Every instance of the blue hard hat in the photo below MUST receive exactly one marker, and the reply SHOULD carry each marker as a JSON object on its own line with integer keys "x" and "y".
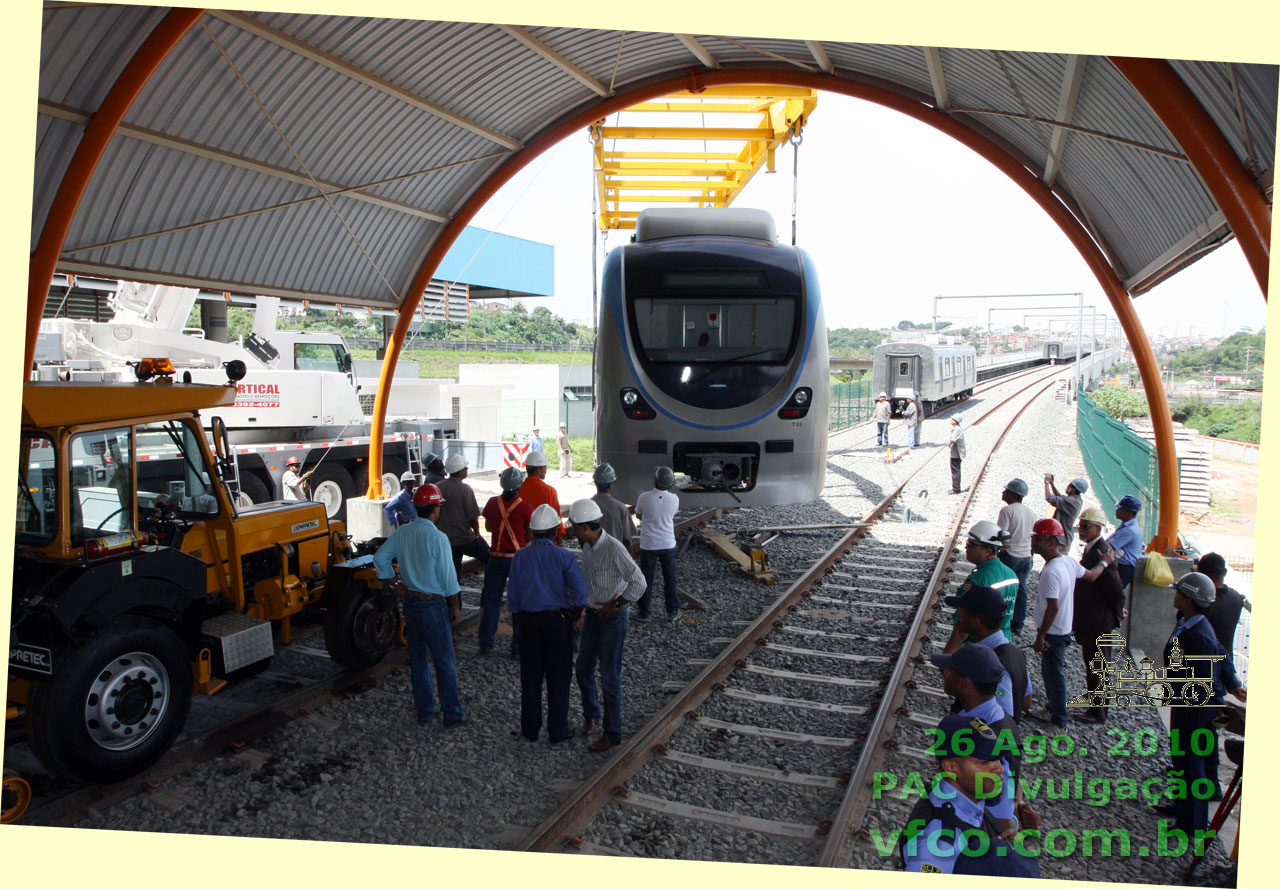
{"x": 1130, "y": 502}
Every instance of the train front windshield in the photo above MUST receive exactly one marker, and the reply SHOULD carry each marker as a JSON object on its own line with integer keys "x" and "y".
{"x": 715, "y": 337}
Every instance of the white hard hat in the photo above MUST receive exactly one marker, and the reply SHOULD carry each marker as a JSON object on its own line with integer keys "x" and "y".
{"x": 584, "y": 510}
{"x": 455, "y": 463}
{"x": 537, "y": 428}
{"x": 535, "y": 458}
{"x": 544, "y": 518}
{"x": 408, "y": 476}
{"x": 882, "y": 395}
{"x": 988, "y": 533}
{"x": 958, "y": 418}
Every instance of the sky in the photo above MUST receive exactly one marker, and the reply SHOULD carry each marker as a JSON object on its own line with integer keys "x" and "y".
{"x": 894, "y": 213}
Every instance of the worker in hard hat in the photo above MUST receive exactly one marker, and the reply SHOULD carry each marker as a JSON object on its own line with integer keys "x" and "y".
{"x": 460, "y": 515}
{"x": 506, "y": 517}
{"x": 615, "y": 516}
{"x": 1067, "y": 505}
{"x": 399, "y": 509}
{"x": 294, "y": 480}
{"x": 428, "y": 586}
{"x": 546, "y": 595}
{"x": 656, "y": 509}
{"x": 1127, "y": 539}
{"x": 881, "y": 416}
{"x": 535, "y": 491}
{"x": 614, "y": 581}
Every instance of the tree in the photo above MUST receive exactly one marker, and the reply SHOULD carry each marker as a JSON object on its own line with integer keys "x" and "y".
{"x": 906, "y": 325}
{"x": 1120, "y": 402}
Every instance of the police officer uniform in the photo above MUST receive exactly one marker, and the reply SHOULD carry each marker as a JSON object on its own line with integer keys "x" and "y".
{"x": 942, "y": 831}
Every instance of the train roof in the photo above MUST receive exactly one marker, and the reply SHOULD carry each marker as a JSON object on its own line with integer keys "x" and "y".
{"x": 908, "y": 346}
{"x": 731, "y": 222}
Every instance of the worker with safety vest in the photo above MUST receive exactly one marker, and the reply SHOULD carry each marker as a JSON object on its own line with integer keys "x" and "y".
{"x": 981, "y": 547}
{"x": 506, "y": 517}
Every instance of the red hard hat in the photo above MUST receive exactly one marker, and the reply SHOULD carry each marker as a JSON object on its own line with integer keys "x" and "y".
{"x": 292, "y": 461}
{"x": 427, "y": 495}
{"x": 1045, "y": 527}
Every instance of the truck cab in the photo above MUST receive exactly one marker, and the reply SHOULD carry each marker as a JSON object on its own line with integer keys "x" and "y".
{"x": 138, "y": 580}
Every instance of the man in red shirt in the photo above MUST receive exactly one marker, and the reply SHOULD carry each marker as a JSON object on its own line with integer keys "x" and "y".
{"x": 535, "y": 491}
{"x": 506, "y": 517}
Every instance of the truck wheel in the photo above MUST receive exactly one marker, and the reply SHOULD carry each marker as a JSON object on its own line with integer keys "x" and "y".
{"x": 392, "y": 469}
{"x": 356, "y": 628}
{"x": 253, "y": 489}
{"x": 332, "y": 485}
{"x": 115, "y": 705}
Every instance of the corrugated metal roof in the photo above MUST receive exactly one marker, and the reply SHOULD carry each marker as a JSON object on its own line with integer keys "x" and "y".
{"x": 354, "y": 99}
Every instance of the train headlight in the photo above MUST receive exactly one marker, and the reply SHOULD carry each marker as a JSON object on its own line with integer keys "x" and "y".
{"x": 634, "y": 407}
{"x": 797, "y": 405}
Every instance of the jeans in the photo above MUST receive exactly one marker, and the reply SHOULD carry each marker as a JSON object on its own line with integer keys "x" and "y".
{"x": 649, "y": 559}
{"x": 1053, "y": 669}
{"x": 496, "y": 571}
{"x": 602, "y": 639}
{"x": 882, "y": 433}
{"x": 545, "y": 656}
{"x": 476, "y": 549}
{"x": 1021, "y": 567}
{"x": 913, "y": 435}
{"x": 426, "y": 627}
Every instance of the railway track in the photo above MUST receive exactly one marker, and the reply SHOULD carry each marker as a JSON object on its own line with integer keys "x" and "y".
{"x": 723, "y": 723}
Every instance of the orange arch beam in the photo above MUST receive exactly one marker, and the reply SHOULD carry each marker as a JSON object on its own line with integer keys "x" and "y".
{"x": 1244, "y": 206}
{"x": 1167, "y": 530}
{"x": 44, "y": 260}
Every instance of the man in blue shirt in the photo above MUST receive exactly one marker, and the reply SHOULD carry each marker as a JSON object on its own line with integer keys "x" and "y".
{"x": 426, "y": 582}
{"x": 400, "y": 511}
{"x": 1128, "y": 537}
{"x": 546, "y": 594}
{"x": 944, "y": 830}
{"x": 979, "y": 613}
{"x": 972, "y": 676}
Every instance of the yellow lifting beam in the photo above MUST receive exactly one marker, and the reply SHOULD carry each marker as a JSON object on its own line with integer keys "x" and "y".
{"x": 737, "y": 132}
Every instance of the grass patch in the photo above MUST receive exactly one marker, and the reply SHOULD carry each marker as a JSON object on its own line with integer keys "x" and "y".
{"x": 443, "y": 363}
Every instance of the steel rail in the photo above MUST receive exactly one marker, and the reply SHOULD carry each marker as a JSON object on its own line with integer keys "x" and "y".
{"x": 836, "y": 851}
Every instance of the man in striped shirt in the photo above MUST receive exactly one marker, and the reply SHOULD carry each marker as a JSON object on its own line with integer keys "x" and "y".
{"x": 614, "y": 581}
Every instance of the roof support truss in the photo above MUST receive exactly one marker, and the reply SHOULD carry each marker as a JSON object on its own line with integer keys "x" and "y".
{"x": 1066, "y": 110}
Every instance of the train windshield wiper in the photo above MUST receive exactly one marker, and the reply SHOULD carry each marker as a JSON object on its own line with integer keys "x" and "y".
{"x": 721, "y": 364}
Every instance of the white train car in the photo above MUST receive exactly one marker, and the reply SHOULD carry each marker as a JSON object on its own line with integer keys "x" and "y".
{"x": 711, "y": 358}
{"x": 941, "y": 374}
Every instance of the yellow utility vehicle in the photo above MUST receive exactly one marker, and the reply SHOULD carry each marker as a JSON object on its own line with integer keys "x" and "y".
{"x": 138, "y": 580}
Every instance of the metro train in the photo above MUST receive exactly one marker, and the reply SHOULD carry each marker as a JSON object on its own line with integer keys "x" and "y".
{"x": 712, "y": 359}
{"x": 941, "y": 374}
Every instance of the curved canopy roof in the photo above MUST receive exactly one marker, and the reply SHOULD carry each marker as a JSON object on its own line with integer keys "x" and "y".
{"x": 324, "y": 156}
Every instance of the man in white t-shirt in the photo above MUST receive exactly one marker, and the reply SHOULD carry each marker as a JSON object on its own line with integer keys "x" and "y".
{"x": 1017, "y": 518}
{"x": 1055, "y": 605}
{"x": 656, "y": 511}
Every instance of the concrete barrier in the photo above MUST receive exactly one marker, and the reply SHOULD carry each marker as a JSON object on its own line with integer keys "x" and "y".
{"x": 1151, "y": 613}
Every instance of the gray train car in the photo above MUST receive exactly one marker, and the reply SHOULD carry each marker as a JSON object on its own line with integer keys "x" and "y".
{"x": 711, "y": 358}
{"x": 941, "y": 374}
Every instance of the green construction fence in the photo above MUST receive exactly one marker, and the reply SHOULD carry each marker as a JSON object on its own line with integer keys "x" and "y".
{"x": 851, "y": 403}
{"x": 1117, "y": 461}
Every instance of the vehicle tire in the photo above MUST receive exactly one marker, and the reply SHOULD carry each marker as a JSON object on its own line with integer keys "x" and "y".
{"x": 392, "y": 469}
{"x": 349, "y": 623}
{"x": 253, "y": 489}
{"x": 116, "y": 704}
{"x": 331, "y": 485}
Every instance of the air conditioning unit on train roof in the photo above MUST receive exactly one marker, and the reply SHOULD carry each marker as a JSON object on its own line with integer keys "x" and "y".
{"x": 732, "y": 222}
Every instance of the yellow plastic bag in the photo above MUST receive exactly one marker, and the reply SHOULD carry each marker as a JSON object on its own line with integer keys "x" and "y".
{"x": 1158, "y": 572}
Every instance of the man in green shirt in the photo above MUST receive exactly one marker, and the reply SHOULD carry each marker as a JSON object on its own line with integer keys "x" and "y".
{"x": 981, "y": 547}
